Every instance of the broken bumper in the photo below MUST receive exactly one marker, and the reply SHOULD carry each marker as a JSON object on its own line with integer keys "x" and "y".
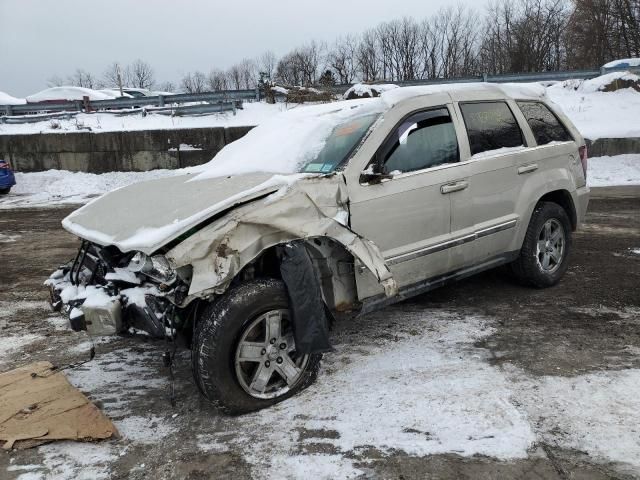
{"x": 105, "y": 299}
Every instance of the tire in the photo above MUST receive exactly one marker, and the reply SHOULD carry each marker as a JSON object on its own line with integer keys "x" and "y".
{"x": 4, "y": 191}
{"x": 540, "y": 263}
{"x": 241, "y": 317}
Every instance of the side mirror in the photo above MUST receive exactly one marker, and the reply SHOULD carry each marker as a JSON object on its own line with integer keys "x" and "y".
{"x": 374, "y": 174}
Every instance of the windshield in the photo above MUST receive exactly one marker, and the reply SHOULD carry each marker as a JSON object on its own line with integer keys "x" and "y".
{"x": 340, "y": 144}
{"x": 306, "y": 139}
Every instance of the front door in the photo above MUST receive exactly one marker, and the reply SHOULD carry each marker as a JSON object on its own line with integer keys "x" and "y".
{"x": 408, "y": 215}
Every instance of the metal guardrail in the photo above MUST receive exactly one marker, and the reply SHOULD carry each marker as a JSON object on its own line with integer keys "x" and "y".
{"x": 506, "y": 78}
{"x": 200, "y": 109}
{"x": 231, "y": 97}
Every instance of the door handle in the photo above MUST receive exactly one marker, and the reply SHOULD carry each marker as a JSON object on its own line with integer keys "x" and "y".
{"x": 453, "y": 187}
{"x": 532, "y": 167}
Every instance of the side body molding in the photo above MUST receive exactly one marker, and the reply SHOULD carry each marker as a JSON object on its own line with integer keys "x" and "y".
{"x": 311, "y": 207}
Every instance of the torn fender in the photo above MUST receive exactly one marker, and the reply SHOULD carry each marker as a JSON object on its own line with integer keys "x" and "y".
{"x": 311, "y": 207}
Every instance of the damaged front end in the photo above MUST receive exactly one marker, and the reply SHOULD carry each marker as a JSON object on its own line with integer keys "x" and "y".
{"x": 106, "y": 292}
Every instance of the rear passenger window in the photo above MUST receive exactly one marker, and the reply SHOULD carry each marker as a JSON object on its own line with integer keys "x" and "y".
{"x": 544, "y": 124}
{"x": 490, "y": 126}
{"x": 423, "y": 140}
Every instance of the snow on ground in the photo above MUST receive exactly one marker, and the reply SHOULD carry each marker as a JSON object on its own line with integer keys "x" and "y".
{"x": 617, "y": 170}
{"x": 56, "y": 187}
{"x": 428, "y": 389}
{"x": 598, "y": 114}
{"x": 253, "y": 113}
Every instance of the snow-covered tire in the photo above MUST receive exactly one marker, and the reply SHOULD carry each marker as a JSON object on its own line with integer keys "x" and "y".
{"x": 544, "y": 256}
{"x": 221, "y": 335}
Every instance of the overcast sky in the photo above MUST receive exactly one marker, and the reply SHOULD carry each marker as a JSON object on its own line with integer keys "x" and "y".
{"x": 42, "y": 38}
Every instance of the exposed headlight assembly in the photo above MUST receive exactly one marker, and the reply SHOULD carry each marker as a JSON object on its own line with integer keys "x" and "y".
{"x": 156, "y": 267}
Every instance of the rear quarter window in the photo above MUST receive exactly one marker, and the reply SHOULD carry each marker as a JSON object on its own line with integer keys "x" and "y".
{"x": 546, "y": 127}
{"x": 490, "y": 126}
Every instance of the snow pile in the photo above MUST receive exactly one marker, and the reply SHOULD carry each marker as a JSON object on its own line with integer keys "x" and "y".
{"x": 6, "y": 99}
{"x": 286, "y": 141}
{"x": 363, "y": 90}
{"x": 610, "y": 171}
{"x": 598, "y": 114}
{"x": 55, "y": 187}
{"x": 600, "y": 83}
{"x": 67, "y": 93}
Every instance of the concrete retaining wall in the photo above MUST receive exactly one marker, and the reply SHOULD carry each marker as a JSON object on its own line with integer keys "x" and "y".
{"x": 116, "y": 151}
{"x": 612, "y": 146}
{"x": 150, "y": 149}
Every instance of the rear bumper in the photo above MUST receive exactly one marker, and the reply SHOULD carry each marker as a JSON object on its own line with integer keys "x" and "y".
{"x": 581, "y": 201}
{"x": 8, "y": 180}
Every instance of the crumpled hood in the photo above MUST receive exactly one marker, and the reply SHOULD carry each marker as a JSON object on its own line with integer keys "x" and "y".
{"x": 147, "y": 215}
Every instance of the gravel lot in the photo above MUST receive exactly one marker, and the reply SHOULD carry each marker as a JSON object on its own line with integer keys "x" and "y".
{"x": 482, "y": 379}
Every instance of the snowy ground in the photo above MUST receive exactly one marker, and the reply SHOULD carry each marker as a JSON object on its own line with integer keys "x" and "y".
{"x": 598, "y": 114}
{"x": 422, "y": 388}
{"x": 57, "y": 187}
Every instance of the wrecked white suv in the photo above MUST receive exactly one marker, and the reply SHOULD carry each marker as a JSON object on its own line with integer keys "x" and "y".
{"x": 324, "y": 212}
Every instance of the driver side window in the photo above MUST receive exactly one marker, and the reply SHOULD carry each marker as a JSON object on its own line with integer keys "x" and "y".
{"x": 424, "y": 140}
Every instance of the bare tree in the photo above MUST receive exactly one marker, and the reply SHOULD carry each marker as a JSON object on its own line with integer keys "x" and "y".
{"x": 195, "y": 82}
{"x": 368, "y": 56}
{"x": 217, "y": 80}
{"x": 82, "y": 78}
{"x": 234, "y": 74}
{"x": 55, "y": 81}
{"x": 343, "y": 60}
{"x": 602, "y": 30}
{"x": 166, "y": 87}
{"x": 140, "y": 74}
{"x": 267, "y": 63}
{"x": 249, "y": 73}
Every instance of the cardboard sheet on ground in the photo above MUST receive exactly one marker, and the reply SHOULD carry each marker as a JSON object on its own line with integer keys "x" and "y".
{"x": 38, "y": 405}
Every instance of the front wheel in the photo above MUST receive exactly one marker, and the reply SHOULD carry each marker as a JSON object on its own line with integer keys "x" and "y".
{"x": 545, "y": 252}
{"x": 244, "y": 355}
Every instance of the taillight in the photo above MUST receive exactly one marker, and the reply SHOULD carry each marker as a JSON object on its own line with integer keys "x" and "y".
{"x": 583, "y": 159}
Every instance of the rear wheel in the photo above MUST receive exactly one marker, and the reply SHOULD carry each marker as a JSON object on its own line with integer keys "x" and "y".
{"x": 244, "y": 355}
{"x": 4, "y": 191}
{"x": 545, "y": 251}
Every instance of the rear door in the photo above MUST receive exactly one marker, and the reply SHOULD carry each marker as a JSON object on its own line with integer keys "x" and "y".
{"x": 555, "y": 147}
{"x": 484, "y": 214}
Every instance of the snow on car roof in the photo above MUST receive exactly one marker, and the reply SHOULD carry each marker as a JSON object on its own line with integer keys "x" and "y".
{"x": 513, "y": 90}
{"x": 623, "y": 62}
{"x": 67, "y": 93}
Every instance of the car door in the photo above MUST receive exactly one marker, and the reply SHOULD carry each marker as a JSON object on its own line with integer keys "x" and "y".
{"x": 484, "y": 215}
{"x": 407, "y": 215}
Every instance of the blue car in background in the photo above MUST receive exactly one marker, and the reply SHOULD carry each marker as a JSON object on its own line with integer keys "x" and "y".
{"x": 7, "y": 179}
